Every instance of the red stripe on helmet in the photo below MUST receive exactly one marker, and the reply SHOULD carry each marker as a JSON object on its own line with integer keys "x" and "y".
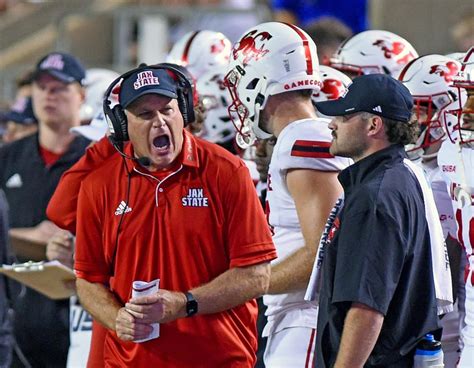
{"x": 307, "y": 50}
{"x": 184, "y": 58}
{"x": 405, "y": 69}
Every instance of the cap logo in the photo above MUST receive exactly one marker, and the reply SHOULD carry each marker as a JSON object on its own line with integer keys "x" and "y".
{"x": 377, "y": 108}
{"x": 20, "y": 105}
{"x": 251, "y": 46}
{"x": 145, "y": 78}
{"x": 54, "y": 61}
{"x": 448, "y": 71}
{"x": 396, "y": 49}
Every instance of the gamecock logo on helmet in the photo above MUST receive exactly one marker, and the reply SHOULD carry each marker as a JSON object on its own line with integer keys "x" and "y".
{"x": 332, "y": 88}
{"x": 218, "y": 47}
{"x": 397, "y": 50}
{"x": 448, "y": 71}
{"x": 248, "y": 47}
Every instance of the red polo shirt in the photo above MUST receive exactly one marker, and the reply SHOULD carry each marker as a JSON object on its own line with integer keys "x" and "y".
{"x": 62, "y": 206}
{"x": 186, "y": 229}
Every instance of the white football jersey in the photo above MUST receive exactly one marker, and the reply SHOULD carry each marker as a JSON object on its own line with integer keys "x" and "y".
{"x": 458, "y": 170}
{"x": 442, "y": 198}
{"x": 303, "y": 144}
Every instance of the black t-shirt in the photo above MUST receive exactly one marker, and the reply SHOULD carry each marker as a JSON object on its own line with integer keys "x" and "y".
{"x": 6, "y": 336}
{"x": 380, "y": 256}
{"x": 28, "y": 182}
{"x": 41, "y": 324}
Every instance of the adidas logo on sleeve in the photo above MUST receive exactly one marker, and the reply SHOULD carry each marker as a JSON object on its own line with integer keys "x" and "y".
{"x": 122, "y": 208}
{"x": 14, "y": 181}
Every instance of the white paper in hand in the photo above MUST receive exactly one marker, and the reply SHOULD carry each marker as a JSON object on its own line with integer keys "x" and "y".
{"x": 143, "y": 288}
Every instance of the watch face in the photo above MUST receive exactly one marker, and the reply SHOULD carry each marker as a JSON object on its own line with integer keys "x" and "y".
{"x": 191, "y": 305}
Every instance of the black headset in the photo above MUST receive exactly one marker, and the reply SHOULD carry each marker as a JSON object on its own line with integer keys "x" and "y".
{"x": 116, "y": 117}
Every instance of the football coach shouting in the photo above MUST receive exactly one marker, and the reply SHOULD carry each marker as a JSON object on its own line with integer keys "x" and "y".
{"x": 175, "y": 208}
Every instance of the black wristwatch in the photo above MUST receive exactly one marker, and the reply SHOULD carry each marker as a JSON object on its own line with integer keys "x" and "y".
{"x": 191, "y": 304}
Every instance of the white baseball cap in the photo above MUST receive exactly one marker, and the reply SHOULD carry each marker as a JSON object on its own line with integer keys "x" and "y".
{"x": 95, "y": 130}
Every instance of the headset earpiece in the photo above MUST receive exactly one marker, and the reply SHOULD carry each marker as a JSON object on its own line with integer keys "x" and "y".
{"x": 121, "y": 127}
{"x": 115, "y": 115}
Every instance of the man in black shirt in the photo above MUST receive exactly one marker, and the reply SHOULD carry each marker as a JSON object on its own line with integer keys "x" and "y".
{"x": 377, "y": 298}
{"x": 29, "y": 173}
{"x": 6, "y": 327}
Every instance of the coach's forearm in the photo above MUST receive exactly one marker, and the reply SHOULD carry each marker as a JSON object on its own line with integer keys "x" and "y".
{"x": 232, "y": 288}
{"x": 361, "y": 330}
{"x": 97, "y": 299}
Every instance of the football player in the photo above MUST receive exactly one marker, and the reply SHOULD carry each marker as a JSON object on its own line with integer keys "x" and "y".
{"x": 456, "y": 160}
{"x": 273, "y": 73}
{"x": 429, "y": 79}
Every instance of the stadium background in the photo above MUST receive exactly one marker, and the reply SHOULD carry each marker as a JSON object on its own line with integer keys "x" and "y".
{"x": 116, "y": 34}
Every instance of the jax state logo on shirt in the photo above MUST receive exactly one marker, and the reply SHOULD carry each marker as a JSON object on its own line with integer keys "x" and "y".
{"x": 195, "y": 198}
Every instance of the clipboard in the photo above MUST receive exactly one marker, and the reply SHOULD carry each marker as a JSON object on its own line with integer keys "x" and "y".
{"x": 47, "y": 278}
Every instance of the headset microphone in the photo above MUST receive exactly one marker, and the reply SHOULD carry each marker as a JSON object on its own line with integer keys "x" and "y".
{"x": 144, "y": 161}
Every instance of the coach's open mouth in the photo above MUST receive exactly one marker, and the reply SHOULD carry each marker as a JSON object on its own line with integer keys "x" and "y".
{"x": 161, "y": 143}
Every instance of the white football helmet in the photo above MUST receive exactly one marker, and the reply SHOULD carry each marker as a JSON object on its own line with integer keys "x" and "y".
{"x": 461, "y": 128}
{"x": 269, "y": 59}
{"x": 200, "y": 51}
{"x": 429, "y": 79}
{"x": 335, "y": 84}
{"x": 96, "y": 83}
{"x": 373, "y": 52}
{"x": 215, "y": 98}
{"x": 459, "y": 56}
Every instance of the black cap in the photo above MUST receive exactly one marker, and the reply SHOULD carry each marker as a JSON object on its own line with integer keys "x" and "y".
{"x": 378, "y": 94}
{"x": 147, "y": 81}
{"x": 21, "y": 112}
{"x": 62, "y": 66}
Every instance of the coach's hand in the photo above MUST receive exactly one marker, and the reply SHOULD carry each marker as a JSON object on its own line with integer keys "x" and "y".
{"x": 164, "y": 306}
{"x": 128, "y": 328}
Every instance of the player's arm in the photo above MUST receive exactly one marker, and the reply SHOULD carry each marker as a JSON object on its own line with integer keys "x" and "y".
{"x": 315, "y": 193}
{"x": 360, "y": 333}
